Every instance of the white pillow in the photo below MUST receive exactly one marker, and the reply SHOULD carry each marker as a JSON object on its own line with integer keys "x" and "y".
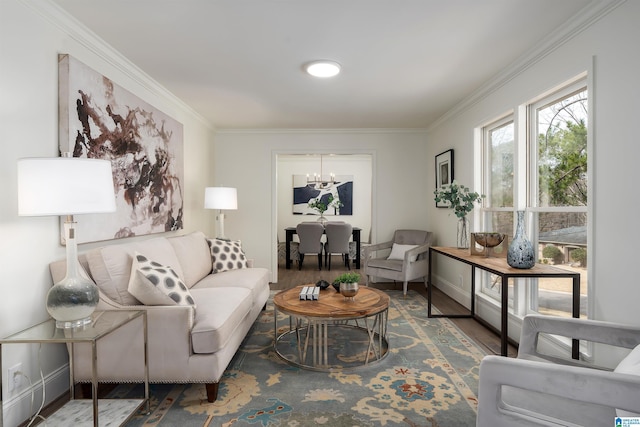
{"x": 629, "y": 365}
{"x": 154, "y": 284}
{"x": 397, "y": 252}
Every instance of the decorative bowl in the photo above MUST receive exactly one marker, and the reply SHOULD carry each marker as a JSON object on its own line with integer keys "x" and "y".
{"x": 336, "y": 286}
{"x": 489, "y": 240}
{"x": 348, "y": 290}
{"x": 322, "y": 284}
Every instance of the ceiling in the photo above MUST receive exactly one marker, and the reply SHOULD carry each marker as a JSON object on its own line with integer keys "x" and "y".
{"x": 405, "y": 63}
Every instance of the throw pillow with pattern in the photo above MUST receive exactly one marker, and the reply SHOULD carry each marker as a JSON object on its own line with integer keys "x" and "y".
{"x": 155, "y": 284}
{"x": 226, "y": 255}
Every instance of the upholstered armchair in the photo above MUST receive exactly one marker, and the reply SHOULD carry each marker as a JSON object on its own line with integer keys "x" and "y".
{"x": 408, "y": 259}
{"x": 541, "y": 389}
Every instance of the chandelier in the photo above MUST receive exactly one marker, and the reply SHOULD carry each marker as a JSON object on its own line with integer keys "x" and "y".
{"x": 319, "y": 181}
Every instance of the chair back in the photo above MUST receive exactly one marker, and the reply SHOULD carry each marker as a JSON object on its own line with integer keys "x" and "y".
{"x": 338, "y": 235}
{"x": 310, "y": 235}
{"x": 412, "y": 237}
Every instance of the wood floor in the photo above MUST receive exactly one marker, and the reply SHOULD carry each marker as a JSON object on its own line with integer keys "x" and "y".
{"x": 488, "y": 339}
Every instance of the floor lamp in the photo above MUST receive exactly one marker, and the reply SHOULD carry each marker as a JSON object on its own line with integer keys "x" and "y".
{"x": 221, "y": 198}
{"x": 66, "y": 186}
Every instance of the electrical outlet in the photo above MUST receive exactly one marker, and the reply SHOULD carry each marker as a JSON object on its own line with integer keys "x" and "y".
{"x": 14, "y": 377}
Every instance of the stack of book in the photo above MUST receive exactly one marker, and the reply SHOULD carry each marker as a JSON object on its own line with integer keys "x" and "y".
{"x": 310, "y": 293}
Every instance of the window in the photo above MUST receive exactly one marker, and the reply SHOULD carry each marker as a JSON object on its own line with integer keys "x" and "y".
{"x": 544, "y": 173}
{"x": 499, "y": 152}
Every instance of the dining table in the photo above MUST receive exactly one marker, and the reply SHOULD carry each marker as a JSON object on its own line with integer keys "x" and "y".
{"x": 291, "y": 231}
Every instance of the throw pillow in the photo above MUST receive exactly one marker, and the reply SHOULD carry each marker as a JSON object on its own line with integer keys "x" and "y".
{"x": 155, "y": 284}
{"x": 226, "y": 255}
{"x": 629, "y": 365}
{"x": 398, "y": 250}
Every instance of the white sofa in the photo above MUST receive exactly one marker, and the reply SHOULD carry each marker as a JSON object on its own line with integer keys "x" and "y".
{"x": 186, "y": 344}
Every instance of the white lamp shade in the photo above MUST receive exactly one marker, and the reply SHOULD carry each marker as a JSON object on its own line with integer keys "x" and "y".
{"x": 64, "y": 186}
{"x": 220, "y": 198}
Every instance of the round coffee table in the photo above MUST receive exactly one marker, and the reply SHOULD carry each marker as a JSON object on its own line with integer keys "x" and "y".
{"x": 361, "y": 320}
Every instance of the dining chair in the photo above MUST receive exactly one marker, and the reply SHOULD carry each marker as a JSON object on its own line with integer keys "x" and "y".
{"x": 310, "y": 235}
{"x": 338, "y": 235}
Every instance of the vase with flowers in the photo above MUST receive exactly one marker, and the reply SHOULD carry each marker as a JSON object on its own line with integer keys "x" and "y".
{"x": 462, "y": 200}
{"x": 321, "y": 204}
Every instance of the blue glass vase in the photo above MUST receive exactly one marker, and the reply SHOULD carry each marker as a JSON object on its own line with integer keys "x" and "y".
{"x": 520, "y": 253}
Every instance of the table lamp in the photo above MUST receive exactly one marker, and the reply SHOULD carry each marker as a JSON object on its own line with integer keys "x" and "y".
{"x": 220, "y": 198}
{"x": 67, "y": 186}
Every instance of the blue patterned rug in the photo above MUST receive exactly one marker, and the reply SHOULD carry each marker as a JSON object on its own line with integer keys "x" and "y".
{"x": 428, "y": 378}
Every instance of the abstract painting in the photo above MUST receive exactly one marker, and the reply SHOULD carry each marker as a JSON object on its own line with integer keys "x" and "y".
{"x": 339, "y": 186}
{"x": 99, "y": 119}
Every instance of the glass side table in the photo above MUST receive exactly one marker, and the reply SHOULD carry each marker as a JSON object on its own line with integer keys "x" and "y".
{"x": 112, "y": 412}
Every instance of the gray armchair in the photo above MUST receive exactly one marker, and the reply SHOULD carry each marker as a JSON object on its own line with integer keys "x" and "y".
{"x": 407, "y": 261}
{"x": 536, "y": 389}
{"x": 310, "y": 235}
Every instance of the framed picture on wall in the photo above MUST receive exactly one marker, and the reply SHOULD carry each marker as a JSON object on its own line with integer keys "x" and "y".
{"x": 444, "y": 173}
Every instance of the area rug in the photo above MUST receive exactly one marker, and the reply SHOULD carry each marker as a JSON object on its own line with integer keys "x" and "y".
{"x": 428, "y": 378}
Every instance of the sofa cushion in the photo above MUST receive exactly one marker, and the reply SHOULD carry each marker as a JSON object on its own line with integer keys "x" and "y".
{"x": 110, "y": 266}
{"x": 194, "y": 255}
{"x": 254, "y": 279}
{"x": 386, "y": 264}
{"x": 155, "y": 284}
{"x": 226, "y": 255}
{"x": 220, "y": 312}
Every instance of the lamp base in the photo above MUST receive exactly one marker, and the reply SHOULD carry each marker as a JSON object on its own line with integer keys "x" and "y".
{"x": 72, "y": 301}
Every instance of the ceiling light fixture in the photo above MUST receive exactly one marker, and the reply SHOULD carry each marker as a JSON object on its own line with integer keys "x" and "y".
{"x": 322, "y": 68}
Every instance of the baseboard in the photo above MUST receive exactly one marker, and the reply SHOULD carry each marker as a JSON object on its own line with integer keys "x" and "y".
{"x": 458, "y": 294}
{"x": 487, "y": 311}
{"x": 17, "y": 409}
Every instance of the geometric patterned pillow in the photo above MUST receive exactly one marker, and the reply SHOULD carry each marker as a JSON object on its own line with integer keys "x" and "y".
{"x": 154, "y": 284}
{"x": 226, "y": 255}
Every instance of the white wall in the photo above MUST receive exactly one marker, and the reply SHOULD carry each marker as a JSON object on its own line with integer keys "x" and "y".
{"x": 246, "y": 160}
{"x": 31, "y": 36}
{"x": 608, "y": 51}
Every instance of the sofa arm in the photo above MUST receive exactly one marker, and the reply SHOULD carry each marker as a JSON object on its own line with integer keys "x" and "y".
{"x": 591, "y": 386}
{"x": 120, "y": 353}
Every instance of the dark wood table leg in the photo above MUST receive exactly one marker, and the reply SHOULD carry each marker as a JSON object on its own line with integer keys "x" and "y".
{"x": 356, "y": 238}
{"x": 288, "y": 239}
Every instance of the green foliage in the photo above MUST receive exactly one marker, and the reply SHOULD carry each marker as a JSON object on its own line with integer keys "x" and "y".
{"x": 563, "y": 164}
{"x": 553, "y": 253}
{"x": 349, "y": 277}
{"x": 321, "y": 207}
{"x": 460, "y": 198}
{"x": 579, "y": 255}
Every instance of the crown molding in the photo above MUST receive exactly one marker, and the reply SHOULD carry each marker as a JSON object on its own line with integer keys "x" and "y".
{"x": 323, "y": 131}
{"x": 589, "y": 15}
{"x": 76, "y": 30}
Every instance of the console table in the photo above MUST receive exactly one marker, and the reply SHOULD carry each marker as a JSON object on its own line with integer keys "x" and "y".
{"x": 499, "y": 267}
{"x": 290, "y": 231}
{"x": 84, "y": 412}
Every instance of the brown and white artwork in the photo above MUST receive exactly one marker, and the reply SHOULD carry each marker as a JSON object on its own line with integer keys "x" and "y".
{"x": 99, "y": 119}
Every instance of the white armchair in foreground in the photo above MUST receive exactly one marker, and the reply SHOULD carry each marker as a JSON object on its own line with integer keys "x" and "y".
{"x": 540, "y": 390}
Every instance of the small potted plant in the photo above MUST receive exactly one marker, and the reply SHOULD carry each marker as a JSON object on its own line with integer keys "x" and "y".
{"x": 347, "y": 284}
